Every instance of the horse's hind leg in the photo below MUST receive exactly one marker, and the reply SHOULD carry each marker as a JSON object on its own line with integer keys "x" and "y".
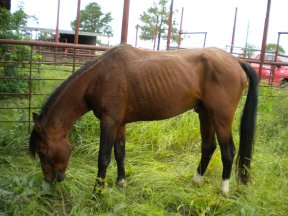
{"x": 208, "y": 143}
{"x": 223, "y": 126}
{"x": 119, "y": 151}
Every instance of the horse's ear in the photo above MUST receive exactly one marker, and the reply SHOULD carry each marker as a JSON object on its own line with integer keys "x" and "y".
{"x": 37, "y": 124}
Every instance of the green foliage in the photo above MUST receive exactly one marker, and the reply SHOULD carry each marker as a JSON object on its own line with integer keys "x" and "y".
{"x": 249, "y": 49}
{"x": 92, "y": 19}
{"x": 10, "y": 24}
{"x": 10, "y": 56}
{"x": 162, "y": 157}
{"x": 44, "y": 36}
{"x": 271, "y": 47}
{"x": 13, "y": 68}
{"x": 162, "y": 10}
{"x": 17, "y": 83}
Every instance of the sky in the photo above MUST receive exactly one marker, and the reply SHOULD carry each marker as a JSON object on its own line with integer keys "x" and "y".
{"x": 216, "y": 17}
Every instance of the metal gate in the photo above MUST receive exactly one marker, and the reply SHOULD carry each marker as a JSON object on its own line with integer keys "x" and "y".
{"x": 31, "y": 70}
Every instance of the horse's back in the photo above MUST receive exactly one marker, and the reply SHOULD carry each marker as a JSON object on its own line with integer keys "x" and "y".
{"x": 151, "y": 85}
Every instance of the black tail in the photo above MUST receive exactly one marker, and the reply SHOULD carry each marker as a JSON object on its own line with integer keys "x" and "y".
{"x": 247, "y": 126}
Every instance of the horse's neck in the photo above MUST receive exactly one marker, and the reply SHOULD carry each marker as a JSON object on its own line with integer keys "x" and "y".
{"x": 67, "y": 108}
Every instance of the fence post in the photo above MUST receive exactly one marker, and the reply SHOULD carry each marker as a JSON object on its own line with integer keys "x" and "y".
{"x": 125, "y": 20}
{"x": 30, "y": 89}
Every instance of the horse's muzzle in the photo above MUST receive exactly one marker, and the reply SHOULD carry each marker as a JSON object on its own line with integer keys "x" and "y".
{"x": 60, "y": 176}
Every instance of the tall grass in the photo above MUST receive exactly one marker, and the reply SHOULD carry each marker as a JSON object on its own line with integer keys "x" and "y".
{"x": 161, "y": 159}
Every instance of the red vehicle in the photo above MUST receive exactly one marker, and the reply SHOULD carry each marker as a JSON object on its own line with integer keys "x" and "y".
{"x": 280, "y": 77}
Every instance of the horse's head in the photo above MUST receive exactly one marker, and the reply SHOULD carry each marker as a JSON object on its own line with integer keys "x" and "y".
{"x": 53, "y": 150}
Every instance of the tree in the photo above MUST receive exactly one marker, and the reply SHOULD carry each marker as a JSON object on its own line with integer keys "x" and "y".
{"x": 10, "y": 24}
{"x": 149, "y": 23}
{"x": 10, "y": 28}
{"x": 250, "y": 48}
{"x": 44, "y": 36}
{"x": 92, "y": 19}
{"x": 271, "y": 47}
{"x": 10, "y": 56}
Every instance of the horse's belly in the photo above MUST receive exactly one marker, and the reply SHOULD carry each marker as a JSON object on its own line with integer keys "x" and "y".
{"x": 160, "y": 109}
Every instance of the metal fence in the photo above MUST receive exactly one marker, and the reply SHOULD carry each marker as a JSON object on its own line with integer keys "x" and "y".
{"x": 31, "y": 70}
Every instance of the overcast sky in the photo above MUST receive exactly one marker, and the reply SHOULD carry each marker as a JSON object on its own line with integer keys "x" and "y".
{"x": 213, "y": 16}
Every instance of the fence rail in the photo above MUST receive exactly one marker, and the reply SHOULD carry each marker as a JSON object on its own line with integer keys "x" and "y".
{"x": 30, "y": 71}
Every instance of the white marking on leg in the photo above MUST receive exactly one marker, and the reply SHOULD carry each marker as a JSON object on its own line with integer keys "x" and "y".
{"x": 225, "y": 186}
{"x": 122, "y": 183}
{"x": 198, "y": 179}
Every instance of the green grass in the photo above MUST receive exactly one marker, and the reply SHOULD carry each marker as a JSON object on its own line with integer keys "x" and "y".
{"x": 161, "y": 160}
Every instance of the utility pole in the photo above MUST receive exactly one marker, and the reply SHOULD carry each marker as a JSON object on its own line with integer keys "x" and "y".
{"x": 155, "y": 33}
{"x": 136, "y": 39}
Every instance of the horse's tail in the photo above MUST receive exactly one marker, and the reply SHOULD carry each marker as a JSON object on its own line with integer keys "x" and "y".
{"x": 247, "y": 126}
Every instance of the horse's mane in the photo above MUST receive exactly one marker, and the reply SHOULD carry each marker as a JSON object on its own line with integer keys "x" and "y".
{"x": 55, "y": 95}
{"x": 33, "y": 142}
{"x": 58, "y": 90}
{"x": 34, "y": 135}
{"x": 74, "y": 76}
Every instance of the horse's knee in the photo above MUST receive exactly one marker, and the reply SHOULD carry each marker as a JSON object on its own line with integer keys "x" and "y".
{"x": 208, "y": 150}
{"x": 103, "y": 161}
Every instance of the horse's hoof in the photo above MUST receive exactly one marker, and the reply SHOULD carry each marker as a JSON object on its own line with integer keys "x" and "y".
{"x": 198, "y": 179}
{"x": 122, "y": 183}
{"x": 225, "y": 187}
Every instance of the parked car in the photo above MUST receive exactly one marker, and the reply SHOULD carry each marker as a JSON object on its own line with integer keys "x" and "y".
{"x": 280, "y": 77}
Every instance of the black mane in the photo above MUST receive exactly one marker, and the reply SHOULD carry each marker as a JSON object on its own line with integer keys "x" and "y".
{"x": 33, "y": 142}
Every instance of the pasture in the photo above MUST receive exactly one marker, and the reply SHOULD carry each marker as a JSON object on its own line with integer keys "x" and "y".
{"x": 161, "y": 159}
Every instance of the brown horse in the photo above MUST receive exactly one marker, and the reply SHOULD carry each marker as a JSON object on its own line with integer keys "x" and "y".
{"x": 126, "y": 84}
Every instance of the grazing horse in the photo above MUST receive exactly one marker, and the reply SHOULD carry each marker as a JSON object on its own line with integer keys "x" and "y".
{"x": 127, "y": 84}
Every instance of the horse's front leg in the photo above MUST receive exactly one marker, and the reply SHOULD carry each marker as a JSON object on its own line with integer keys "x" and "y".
{"x": 119, "y": 151}
{"x": 108, "y": 133}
